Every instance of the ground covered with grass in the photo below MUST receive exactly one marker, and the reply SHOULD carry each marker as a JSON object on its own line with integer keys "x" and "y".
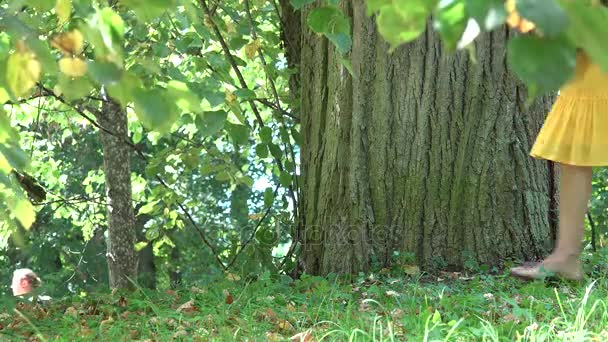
{"x": 389, "y": 305}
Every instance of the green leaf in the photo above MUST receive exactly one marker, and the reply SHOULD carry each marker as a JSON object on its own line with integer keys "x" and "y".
{"x": 261, "y": 150}
{"x": 155, "y": 109}
{"x": 544, "y": 64}
{"x": 148, "y": 208}
{"x": 266, "y": 135}
{"x": 15, "y": 156}
{"x": 123, "y": 90}
{"x": 268, "y": 197}
{"x": 489, "y": 14}
{"x": 23, "y": 211}
{"x": 285, "y": 179}
{"x": 42, "y": 5}
{"x": 106, "y": 30}
{"x": 7, "y": 132}
{"x": 450, "y": 21}
{"x": 342, "y": 41}
{"x": 239, "y": 133}
{"x": 146, "y": 10}
{"x": 297, "y": 136}
{"x": 153, "y": 233}
{"x": 104, "y": 73}
{"x": 588, "y": 30}
{"x": 245, "y": 94}
{"x": 74, "y": 88}
{"x": 184, "y": 97}
{"x": 328, "y": 20}
{"x": 403, "y": 23}
{"x": 436, "y": 317}
{"x": 140, "y": 245}
{"x": 374, "y": 6}
{"x": 331, "y": 22}
{"x": 548, "y": 17}
{"x": 209, "y": 123}
{"x": 276, "y": 151}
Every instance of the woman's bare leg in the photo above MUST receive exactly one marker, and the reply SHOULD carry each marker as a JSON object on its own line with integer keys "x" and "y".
{"x": 575, "y": 191}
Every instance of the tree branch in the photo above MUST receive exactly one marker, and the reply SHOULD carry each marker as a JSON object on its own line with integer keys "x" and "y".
{"x": 80, "y": 109}
{"x": 255, "y": 230}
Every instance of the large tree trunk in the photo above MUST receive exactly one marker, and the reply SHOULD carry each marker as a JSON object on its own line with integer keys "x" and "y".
{"x": 121, "y": 256}
{"x": 422, "y": 152}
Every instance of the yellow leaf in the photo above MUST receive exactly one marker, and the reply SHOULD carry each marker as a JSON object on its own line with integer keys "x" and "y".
{"x": 69, "y": 43}
{"x": 74, "y": 67}
{"x": 5, "y": 167}
{"x": 22, "y": 72}
{"x": 24, "y": 212}
{"x": 63, "y": 9}
{"x": 230, "y": 97}
{"x": 230, "y": 28}
{"x": 252, "y": 48}
{"x": 515, "y": 21}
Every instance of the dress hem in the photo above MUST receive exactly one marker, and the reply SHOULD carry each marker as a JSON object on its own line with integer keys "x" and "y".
{"x": 569, "y": 162}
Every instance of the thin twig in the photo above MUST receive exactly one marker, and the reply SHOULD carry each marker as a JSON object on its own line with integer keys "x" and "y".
{"x": 231, "y": 60}
{"x": 79, "y": 199}
{"x": 272, "y": 106}
{"x": 277, "y": 100}
{"x": 592, "y": 224}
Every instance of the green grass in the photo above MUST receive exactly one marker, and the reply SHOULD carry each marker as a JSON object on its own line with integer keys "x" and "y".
{"x": 383, "y": 307}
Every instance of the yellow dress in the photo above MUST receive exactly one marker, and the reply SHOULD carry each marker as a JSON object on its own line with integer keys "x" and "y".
{"x": 576, "y": 130}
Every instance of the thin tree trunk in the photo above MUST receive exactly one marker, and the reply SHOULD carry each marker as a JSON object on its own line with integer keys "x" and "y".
{"x": 422, "y": 152}
{"x": 146, "y": 265}
{"x": 121, "y": 256}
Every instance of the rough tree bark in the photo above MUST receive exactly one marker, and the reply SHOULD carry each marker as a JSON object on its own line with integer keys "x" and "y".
{"x": 121, "y": 256}
{"x": 422, "y": 152}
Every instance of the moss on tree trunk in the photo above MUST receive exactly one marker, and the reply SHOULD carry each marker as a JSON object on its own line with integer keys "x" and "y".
{"x": 423, "y": 152}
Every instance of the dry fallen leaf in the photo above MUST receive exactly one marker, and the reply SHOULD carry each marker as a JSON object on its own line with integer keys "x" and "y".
{"x": 197, "y": 290}
{"x": 187, "y": 307}
{"x": 272, "y": 337}
{"x": 71, "y": 311}
{"x": 392, "y": 293}
{"x": 510, "y": 318}
{"x": 180, "y": 333}
{"x": 122, "y": 302}
{"x": 232, "y": 276}
{"x": 228, "y": 296}
{"x": 304, "y": 336}
{"x": 170, "y": 322}
{"x": 105, "y": 323}
{"x": 285, "y": 325}
{"x": 397, "y": 314}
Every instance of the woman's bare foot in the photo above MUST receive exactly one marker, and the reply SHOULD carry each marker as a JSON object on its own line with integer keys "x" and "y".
{"x": 568, "y": 267}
